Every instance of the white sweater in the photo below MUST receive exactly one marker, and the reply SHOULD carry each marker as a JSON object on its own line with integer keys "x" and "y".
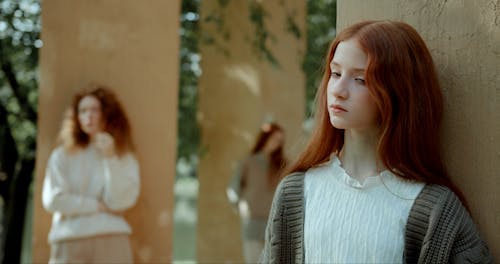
{"x": 76, "y": 183}
{"x": 347, "y": 221}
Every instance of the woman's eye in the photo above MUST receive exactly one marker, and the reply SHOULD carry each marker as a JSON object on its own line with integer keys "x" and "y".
{"x": 360, "y": 81}
{"x": 335, "y": 75}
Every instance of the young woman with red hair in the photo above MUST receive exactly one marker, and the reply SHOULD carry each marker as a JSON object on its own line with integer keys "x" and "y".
{"x": 252, "y": 187}
{"x": 90, "y": 179}
{"x": 371, "y": 186}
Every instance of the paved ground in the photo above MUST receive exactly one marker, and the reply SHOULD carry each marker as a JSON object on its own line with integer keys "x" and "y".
{"x": 185, "y": 216}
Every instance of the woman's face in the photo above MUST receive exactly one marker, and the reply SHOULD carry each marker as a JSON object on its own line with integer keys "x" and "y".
{"x": 350, "y": 103}
{"x": 274, "y": 142}
{"x": 90, "y": 115}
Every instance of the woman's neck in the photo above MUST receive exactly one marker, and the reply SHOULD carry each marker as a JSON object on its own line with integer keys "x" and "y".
{"x": 359, "y": 154}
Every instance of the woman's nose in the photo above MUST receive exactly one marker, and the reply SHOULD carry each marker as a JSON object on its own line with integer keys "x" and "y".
{"x": 340, "y": 89}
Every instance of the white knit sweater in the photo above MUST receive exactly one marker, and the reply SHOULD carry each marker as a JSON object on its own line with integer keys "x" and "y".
{"x": 74, "y": 185}
{"x": 351, "y": 222}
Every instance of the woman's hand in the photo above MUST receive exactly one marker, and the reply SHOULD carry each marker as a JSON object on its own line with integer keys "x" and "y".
{"x": 105, "y": 143}
{"x": 104, "y": 209}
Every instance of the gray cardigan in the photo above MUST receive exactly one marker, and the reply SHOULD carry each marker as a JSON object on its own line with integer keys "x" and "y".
{"x": 439, "y": 229}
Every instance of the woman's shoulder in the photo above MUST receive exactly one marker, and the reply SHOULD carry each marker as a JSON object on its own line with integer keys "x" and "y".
{"x": 291, "y": 183}
{"x": 59, "y": 153}
{"x": 439, "y": 219}
{"x": 61, "y": 157}
{"x": 293, "y": 178}
{"x": 437, "y": 195}
{"x": 129, "y": 155}
{"x": 128, "y": 158}
{"x": 437, "y": 203}
{"x": 290, "y": 191}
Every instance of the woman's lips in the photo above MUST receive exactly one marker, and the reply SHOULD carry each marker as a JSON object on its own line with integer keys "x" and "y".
{"x": 337, "y": 109}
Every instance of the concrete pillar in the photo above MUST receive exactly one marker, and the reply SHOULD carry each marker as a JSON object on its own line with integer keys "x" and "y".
{"x": 237, "y": 92}
{"x": 464, "y": 39}
{"x": 131, "y": 47}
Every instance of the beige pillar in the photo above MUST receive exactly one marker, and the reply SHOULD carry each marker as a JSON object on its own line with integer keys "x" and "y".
{"x": 237, "y": 92}
{"x": 464, "y": 39}
{"x": 133, "y": 48}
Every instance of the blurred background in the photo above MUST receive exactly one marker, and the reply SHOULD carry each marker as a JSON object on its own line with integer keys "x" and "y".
{"x": 20, "y": 42}
{"x": 198, "y": 78}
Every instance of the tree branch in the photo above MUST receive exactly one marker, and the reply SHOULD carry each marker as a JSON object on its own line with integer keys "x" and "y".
{"x": 8, "y": 152}
{"x": 15, "y": 86}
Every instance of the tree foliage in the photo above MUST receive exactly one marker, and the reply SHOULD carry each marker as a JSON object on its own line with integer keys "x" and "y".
{"x": 19, "y": 44}
{"x": 321, "y": 25}
{"x": 188, "y": 140}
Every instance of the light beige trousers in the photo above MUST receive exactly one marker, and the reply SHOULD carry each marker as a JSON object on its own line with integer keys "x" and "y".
{"x": 99, "y": 249}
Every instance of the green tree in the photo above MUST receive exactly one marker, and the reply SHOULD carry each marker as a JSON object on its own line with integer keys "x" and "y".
{"x": 188, "y": 140}
{"x": 321, "y": 25}
{"x": 19, "y": 44}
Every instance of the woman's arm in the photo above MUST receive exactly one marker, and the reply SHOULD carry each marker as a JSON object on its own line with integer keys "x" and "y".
{"x": 272, "y": 228}
{"x": 57, "y": 195}
{"x": 122, "y": 182}
{"x": 445, "y": 229}
{"x": 468, "y": 246}
{"x": 234, "y": 189}
{"x": 285, "y": 226}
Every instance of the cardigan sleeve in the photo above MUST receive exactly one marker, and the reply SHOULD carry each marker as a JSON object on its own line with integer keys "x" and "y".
{"x": 468, "y": 246}
{"x": 57, "y": 195}
{"x": 452, "y": 236}
{"x": 272, "y": 240}
{"x": 122, "y": 182}
{"x": 284, "y": 231}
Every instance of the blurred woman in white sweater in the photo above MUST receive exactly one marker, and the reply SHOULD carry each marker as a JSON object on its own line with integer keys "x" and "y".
{"x": 91, "y": 178}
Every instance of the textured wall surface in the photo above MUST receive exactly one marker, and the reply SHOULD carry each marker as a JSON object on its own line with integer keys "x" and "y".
{"x": 464, "y": 39}
{"x": 238, "y": 91}
{"x": 129, "y": 47}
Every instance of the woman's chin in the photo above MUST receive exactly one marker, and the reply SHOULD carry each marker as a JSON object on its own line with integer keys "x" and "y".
{"x": 336, "y": 124}
{"x": 89, "y": 132}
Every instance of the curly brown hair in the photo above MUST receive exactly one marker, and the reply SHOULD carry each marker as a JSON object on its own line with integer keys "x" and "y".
{"x": 115, "y": 121}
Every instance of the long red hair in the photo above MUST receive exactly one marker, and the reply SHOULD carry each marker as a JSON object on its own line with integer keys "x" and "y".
{"x": 115, "y": 121}
{"x": 403, "y": 81}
